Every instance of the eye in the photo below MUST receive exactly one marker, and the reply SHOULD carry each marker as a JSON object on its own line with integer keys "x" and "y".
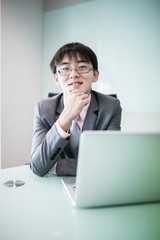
{"x": 65, "y": 69}
{"x": 83, "y": 68}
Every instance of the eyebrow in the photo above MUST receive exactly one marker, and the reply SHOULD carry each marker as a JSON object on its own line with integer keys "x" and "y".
{"x": 80, "y": 61}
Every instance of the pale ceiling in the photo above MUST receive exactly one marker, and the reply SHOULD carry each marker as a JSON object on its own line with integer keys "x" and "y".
{"x": 49, "y": 5}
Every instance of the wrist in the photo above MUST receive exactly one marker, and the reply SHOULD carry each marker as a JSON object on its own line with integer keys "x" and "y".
{"x": 64, "y": 122}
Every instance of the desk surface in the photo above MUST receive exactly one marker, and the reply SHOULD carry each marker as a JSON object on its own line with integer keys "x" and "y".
{"x": 41, "y": 210}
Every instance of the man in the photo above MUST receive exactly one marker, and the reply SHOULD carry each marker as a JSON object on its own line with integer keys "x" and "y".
{"x": 74, "y": 67}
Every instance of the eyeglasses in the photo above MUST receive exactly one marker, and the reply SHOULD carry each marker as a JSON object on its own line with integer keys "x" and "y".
{"x": 66, "y": 71}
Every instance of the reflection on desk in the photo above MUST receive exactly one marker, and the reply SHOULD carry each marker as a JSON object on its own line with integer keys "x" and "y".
{"x": 39, "y": 209}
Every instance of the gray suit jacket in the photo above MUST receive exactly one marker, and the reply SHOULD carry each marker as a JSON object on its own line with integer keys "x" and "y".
{"x": 48, "y": 147}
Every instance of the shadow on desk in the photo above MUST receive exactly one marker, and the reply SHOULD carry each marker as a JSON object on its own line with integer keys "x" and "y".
{"x": 128, "y": 222}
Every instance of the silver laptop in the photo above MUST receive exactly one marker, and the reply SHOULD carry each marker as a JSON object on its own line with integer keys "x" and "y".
{"x": 115, "y": 168}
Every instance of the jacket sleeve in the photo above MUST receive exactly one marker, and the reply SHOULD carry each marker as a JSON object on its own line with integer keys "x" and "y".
{"x": 115, "y": 122}
{"x": 46, "y": 146}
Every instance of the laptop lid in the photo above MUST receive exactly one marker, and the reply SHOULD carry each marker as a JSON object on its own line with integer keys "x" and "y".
{"x": 117, "y": 168}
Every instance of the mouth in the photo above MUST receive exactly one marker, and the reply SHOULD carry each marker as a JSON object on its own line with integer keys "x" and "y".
{"x": 75, "y": 83}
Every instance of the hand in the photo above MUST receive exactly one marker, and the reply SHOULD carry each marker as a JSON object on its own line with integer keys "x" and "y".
{"x": 74, "y": 101}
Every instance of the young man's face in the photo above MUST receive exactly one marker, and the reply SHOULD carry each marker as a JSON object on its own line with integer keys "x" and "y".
{"x": 75, "y": 80}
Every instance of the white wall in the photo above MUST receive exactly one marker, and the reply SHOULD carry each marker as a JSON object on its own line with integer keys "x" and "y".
{"x": 125, "y": 35}
{"x": 0, "y": 88}
{"x": 21, "y": 76}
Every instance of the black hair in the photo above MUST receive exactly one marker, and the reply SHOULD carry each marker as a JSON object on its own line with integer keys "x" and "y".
{"x": 73, "y": 50}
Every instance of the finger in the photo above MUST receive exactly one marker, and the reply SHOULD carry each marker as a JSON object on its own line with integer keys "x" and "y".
{"x": 76, "y": 91}
{"x": 84, "y": 96}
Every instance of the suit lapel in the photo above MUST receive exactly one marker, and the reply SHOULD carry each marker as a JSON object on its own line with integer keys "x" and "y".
{"x": 91, "y": 118}
{"x": 53, "y": 109}
{"x": 59, "y": 108}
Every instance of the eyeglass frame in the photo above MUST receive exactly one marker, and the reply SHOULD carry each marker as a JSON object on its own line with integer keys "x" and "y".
{"x": 71, "y": 69}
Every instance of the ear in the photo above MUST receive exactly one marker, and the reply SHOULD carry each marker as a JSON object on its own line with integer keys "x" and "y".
{"x": 95, "y": 76}
{"x": 56, "y": 79}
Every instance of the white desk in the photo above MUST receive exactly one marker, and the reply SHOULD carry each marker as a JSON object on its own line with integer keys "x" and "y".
{"x": 41, "y": 210}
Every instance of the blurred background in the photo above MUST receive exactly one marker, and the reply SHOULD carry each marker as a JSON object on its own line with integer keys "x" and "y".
{"x": 125, "y": 35}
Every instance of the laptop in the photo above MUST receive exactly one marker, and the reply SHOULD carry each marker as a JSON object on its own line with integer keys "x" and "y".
{"x": 115, "y": 168}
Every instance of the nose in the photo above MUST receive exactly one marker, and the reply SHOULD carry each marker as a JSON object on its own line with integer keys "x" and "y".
{"x": 74, "y": 73}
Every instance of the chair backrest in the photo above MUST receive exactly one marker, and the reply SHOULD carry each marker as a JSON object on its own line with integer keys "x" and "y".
{"x": 51, "y": 94}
